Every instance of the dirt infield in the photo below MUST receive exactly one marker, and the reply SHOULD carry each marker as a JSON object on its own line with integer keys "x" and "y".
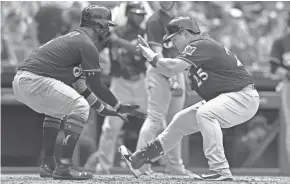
{"x": 128, "y": 179}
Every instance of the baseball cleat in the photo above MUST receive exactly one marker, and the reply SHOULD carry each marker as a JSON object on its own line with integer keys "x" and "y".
{"x": 47, "y": 167}
{"x": 126, "y": 154}
{"x": 214, "y": 176}
{"x": 69, "y": 172}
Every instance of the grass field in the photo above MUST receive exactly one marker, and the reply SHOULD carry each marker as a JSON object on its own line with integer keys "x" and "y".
{"x": 128, "y": 179}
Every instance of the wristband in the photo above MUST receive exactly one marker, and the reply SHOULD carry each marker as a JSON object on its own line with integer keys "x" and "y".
{"x": 155, "y": 60}
{"x": 100, "y": 108}
{"x": 116, "y": 107}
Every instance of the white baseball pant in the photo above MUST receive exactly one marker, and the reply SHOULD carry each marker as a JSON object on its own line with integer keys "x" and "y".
{"x": 126, "y": 91}
{"x": 224, "y": 111}
{"x": 162, "y": 106}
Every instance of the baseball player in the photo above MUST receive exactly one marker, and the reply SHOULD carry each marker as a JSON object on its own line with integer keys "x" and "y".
{"x": 280, "y": 56}
{"x": 127, "y": 84}
{"x": 280, "y": 52}
{"x": 166, "y": 96}
{"x": 45, "y": 82}
{"x": 229, "y": 94}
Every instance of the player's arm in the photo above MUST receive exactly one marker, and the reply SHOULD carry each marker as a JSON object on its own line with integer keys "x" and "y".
{"x": 165, "y": 66}
{"x": 81, "y": 87}
{"x": 172, "y": 66}
{"x": 91, "y": 68}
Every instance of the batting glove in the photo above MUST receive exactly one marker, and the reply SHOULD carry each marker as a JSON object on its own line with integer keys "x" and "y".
{"x": 108, "y": 111}
{"x": 130, "y": 109}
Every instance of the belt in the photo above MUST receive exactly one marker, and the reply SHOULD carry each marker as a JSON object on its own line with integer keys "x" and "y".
{"x": 251, "y": 86}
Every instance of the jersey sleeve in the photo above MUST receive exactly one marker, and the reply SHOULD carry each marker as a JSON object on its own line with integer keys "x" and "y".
{"x": 89, "y": 57}
{"x": 195, "y": 53}
{"x": 155, "y": 33}
{"x": 277, "y": 51}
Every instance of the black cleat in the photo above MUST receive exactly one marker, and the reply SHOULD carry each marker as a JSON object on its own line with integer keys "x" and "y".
{"x": 214, "y": 176}
{"x": 47, "y": 167}
{"x": 69, "y": 172}
{"x": 126, "y": 154}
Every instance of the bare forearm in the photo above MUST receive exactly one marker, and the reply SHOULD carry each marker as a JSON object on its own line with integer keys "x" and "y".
{"x": 81, "y": 87}
{"x": 170, "y": 66}
{"x": 101, "y": 91}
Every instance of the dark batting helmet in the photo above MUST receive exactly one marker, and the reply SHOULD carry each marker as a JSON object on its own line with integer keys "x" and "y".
{"x": 135, "y": 7}
{"x": 179, "y": 24}
{"x": 99, "y": 18}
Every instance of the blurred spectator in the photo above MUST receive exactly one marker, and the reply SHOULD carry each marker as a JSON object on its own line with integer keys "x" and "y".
{"x": 280, "y": 52}
{"x": 49, "y": 22}
{"x": 71, "y": 19}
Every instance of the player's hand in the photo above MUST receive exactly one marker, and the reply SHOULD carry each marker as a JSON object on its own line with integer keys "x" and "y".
{"x": 108, "y": 111}
{"x": 143, "y": 42}
{"x": 131, "y": 110}
{"x": 144, "y": 48}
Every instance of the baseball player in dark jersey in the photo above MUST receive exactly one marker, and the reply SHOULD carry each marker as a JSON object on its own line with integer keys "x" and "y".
{"x": 127, "y": 83}
{"x": 280, "y": 56}
{"x": 280, "y": 52}
{"x": 229, "y": 94}
{"x": 166, "y": 95}
{"x": 51, "y": 81}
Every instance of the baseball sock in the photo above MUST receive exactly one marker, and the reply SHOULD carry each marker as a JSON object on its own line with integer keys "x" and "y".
{"x": 72, "y": 131}
{"x": 51, "y": 127}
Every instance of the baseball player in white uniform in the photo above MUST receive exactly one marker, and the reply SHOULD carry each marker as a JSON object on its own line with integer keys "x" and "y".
{"x": 166, "y": 96}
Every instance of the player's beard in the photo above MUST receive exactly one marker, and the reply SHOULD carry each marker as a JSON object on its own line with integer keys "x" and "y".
{"x": 100, "y": 42}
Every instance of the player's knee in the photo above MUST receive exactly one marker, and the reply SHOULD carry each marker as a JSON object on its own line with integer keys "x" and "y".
{"x": 177, "y": 118}
{"x": 81, "y": 109}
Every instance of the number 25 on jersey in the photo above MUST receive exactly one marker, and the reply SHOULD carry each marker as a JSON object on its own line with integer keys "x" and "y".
{"x": 200, "y": 77}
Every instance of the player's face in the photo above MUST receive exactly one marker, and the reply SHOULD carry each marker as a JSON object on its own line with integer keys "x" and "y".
{"x": 136, "y": 19}
{"x": 179, "y": 41}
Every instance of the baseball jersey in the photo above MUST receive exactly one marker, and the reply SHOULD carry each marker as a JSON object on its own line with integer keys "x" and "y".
{"x": 59, "y": 57}
{"x": 281, "y": 50}
{"x": 155, "y": 30}
{"x": 215, "y": 69}
{"x": 123, "y": 63}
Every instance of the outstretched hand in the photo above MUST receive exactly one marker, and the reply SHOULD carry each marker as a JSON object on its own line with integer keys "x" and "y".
{"x": 145, "y": 49}
{"x": 108, "y": 111}
{"x": 131, "y": 110}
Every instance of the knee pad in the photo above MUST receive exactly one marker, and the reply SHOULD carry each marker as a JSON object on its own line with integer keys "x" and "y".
{"x": 52, "y": 122}
{"x": 80, "y": 109}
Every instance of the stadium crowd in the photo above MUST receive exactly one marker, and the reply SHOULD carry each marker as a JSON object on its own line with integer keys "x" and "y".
{"x": 247, "y": 28}
{"x": 244, "y": 27}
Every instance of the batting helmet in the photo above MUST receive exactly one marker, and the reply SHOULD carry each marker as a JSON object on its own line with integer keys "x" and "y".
{"x": 99, "y": 18}
{"x": 179, "y": 24}
{"x": 135, "y": 7}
